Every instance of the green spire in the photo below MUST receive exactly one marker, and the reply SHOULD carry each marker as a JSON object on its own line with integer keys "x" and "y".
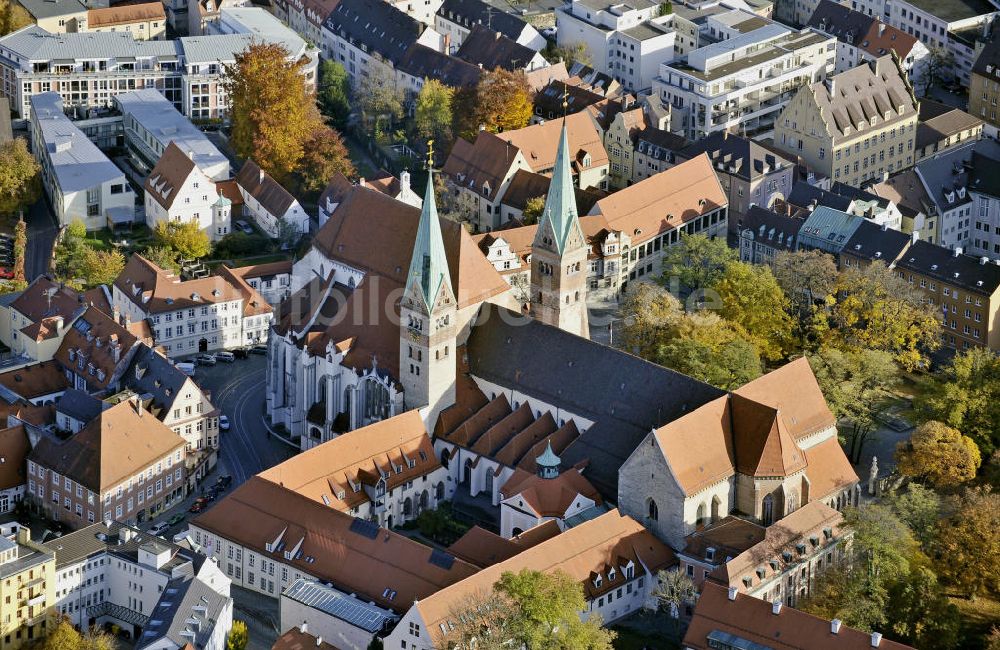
{"x": 560, "y": 203}
{"x": 429, "y": 266}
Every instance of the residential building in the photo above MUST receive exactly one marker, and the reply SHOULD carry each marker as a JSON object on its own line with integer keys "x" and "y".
{"x": 14, "y": 449}
{"x": 271, "y": 279}
{"x": 763, "y": 233}
{"x": 75, "y": 409}
{"x": 857, "y": 127}
{"x": 983, "y": 176}
{"x": 144, "y": 21}
{"x": 864, "y": 203}
{"x": 742, "y": 83}
{"x": 942, "y": 127}
{"x": 151, "y": 123}
{"x": 828, "y": 230}
{"x": 216, "y": 312}
{"x": 862, "y": 38}
{"x": 125, "y": 466}
{"x": 906, "y": 191}
{"x": 594, "y": 23}
{"x": 57, "y": 16}
{"x": 420, "y": 63}
{"x": 270, "y": 205}
{"x": 966, "y": 290}
{"x": 203, "y": 12}
{"x": 38, "y": 384}
{"x": 313, "y": 611}
{"x": 164, "y": 594}
{"x": 96, "y": 350}
{"x": 729, "y": 618}
{"x": 490, "y": 50}
{"x": 793, "y": 459}
{"x": 872, "y": 243}
{"x": 187, "y": 71}
{"x": 27, "y": 589}
{"x": 454, "y": 20}
{"x": 33, "y": 324}
{"x": 80, "y": 181}
{"x": 305, "y": 16}
{"x": 613, "y": 557}
{"x": 389, "y": 474}
{"x": 655, "y": 151}
{"x": 177, "y": 189}
{"x": 984, "y": 86}
{"x": 751, "y": 175}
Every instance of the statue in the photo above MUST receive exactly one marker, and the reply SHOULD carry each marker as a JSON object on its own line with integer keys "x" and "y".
{"x": 873, "y": 476}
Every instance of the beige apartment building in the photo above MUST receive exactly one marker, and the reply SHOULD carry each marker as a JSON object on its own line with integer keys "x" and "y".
{"x": 146, "y": 21}
{"x": 856, "y": 127}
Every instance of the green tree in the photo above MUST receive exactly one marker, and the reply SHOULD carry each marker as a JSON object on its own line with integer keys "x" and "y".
{"x": 674, "y": 589}
{"x": 20, "y": 248}
{"x": 334, "y": 92}
{"x": 709, "y": 348}
{"x": 19, "y": 176}
{"x": 965, "y": 395}
{"x": 856, "y": 385}
{"x": 100, "y": 267}
{"x": 69, "y": 252}
{"x": 238, "y": 636}
{"x": 920, "y": 614}
{"x": 938, "y": 454}
{"x": 548, "y": 609}
{"x": 569, "y": 53}
{"x": 533, "y": 210}
{"x": 432, "y": 117}
{"x": 272, "y": 114}
{"x": 666, "y": 8}
{"x": 324, "y": 155}
{"x": 920, "y": 509}
{"x": 185, "y": 237}
{"x": 809, "y": 280}
{"x": 750, "y": 297}
{"x": 878, "y": 310}
{"x": 968, "y": 546}
{"x": 696, "y": 262}
{"x": 164, "y": 257}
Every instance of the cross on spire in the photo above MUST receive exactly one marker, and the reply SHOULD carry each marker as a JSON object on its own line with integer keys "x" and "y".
{"x": 430, "y": 154}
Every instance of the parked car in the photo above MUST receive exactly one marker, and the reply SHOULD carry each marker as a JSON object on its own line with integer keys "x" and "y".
{"x": 258, "y": 349}
{"x": 225, "y": 480}
{"x": 196, "y": 507}
{"x": 244, "y": 226}
{"x": 5, "y": 273}
{"x": 186, "y": 367}
{"x": 228, "y": 357}
{"x": 176, "y": 519}
{"x": 241, "y": 353}
{"x": 158, "y": 529}
{"x": 223, "y": 423}
{"x": 205, "y": 359}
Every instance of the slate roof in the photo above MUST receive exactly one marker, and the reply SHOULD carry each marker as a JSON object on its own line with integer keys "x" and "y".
{"x": 625, "y": 395}
{"x": 846, "y": 24}
{"x": 777, "y": 230}
{"x": 118, "y": 539}
{"x": 376, "y": 25}
{"x": 491, "y": 49}
{"x": 423, "y": 62}
{"x": 873, "y": 242}
{"x": 954, "y": 269}
{"x": 193, "y": 609}
{"x": 41, "y": 9}
{"x": 985, "y": 174}
{"x": 988, "y": 62}
{"x": 80, "y": 405}
{"x": 736, "y": 155}
{"x": 151, "y": 376}
{"x": 469, "y": 13}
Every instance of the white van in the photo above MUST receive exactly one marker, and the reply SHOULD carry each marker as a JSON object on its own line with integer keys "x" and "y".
{"x": 186, "y": 368}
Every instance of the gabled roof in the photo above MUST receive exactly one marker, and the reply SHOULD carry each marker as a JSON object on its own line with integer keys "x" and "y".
{"x": 483, "y": 548}
{"x": 44, "y": 298}
{"x": 847, "y": 25}
{"x": 151, "y": 375}
{"x": 97, "y": 348}
{"x": 736, "y": 155}
{"x": 525, "y": 185}
{"x": 36, "y": 380}
{"x": 491, "y": 49}
{"x": 168, "y": 175}
{"x": 14, "y": 448}
{"x": 763, "y": 446}
{"x": 951, "y": 267}
{"x": 118, "y": 443}
{"x": 773, "y": 229}
{"x": 470, "y": 13}
{"x": 940, "y": 121}
{"x": 423, "y": 62}
{"x": 378, "y": 26}
{"x": 125, "y": 14}
{"x": 483, "y": 165}
{"x": 267, "y": 191}
{"x": 539, "y": 143}
{"x": 80, "y": 405}
{"x": 550, "y": 497}
{"x": 873, "y": 242}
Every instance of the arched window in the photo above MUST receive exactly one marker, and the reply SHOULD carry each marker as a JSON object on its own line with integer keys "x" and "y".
{"x": 716, "y": 508}
{"x": 652, "y": 511}
{"x": 767, "y": 510}
{"x": 700, "y": 520}
{"x": 439, "y": 491}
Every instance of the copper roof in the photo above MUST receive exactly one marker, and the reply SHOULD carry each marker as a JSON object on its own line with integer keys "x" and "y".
{"x": 117, "y": 444}
{"x": 383, "y": 567}
{"x": 126, "y": 13}
{"x": 751, "y": 619}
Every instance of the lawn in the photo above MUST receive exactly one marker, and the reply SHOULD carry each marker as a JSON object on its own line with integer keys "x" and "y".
{"x": 632, "y": 640}
{"x": 978, "y": 617}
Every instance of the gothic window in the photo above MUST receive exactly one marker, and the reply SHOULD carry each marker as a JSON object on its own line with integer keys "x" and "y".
{"x": 653, "y": 513}
{"x": 767, "y": 510}
{"x": 716, "y": 508}
{"x": 376, "y": 400}
{"x": 792, "y": 501}
{"x": 700, "y": 520}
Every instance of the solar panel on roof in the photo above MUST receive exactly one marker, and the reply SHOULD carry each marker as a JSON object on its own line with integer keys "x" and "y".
{"x": 442, "y": 559}
{"x": 364, "y": 528}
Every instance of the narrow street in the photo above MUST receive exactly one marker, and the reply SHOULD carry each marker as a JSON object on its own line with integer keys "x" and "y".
{"x": 42, "y": 231}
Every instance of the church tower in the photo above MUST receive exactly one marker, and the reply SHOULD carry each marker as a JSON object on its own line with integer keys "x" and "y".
{"x": 559, "y": 254}
{"x": 427, "y": 320}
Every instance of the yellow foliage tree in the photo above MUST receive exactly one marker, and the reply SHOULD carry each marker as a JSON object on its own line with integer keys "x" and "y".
{"x": 101, "y": 267}
{"x": 750, "y": 297}
{"x": 185, "y": 237}
{"x": 968, "y": 544}
{"x": 500, "y": 102}
{"x": 939, "y": 455}
{"x": 12, "y": 17}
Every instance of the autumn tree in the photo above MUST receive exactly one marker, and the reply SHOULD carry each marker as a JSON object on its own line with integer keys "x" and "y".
{"x": 65, "y": 637}
{"x": 485, "y": 620}
{"x": 334, "y": 93}
{"x": 432, "y": 117}
{"x": 379, "y": 97}
{"x": 272, "y": 113}
{"x": 920, "y": 509}
{"x": 324, "y": 154}
{"x": 856, "y": 385}
{"x": 878, "y": 310}
{"x": 938, "y": 454}
{"x": 20, "y": 249}
{"x": 695, "y": 262}
{"x": 101, "y": 267}
{"x": 968, "y": 546}
{"x": 12, "y": 18}
{"x": 185, "y": 237}
{"x": 809, "y": 279}
{"x": 533, "y": 209}
{"x": 965, "y": 395}
{"x": 673, "y": 590}
{"x": 501, "y": 101}
{"x": 919, "y": 613}
{"x": 238, "y": 637}
{"x": 750, "y": 297}
{"x": 164, "y": 257}
{"x": 19, "y": 176}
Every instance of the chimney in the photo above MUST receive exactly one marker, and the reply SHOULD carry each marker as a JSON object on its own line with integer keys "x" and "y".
{"x": 914, "y": 237}
{"x": 835, "y": 626}
{"x": 776, "y": 607}
{"x": 732, "y": 593}
{"x": 304, "y": 628}
{"x": 361, "y": 182}
{"x": 881, "y": 28}
{"x": 983, "y": 261}
{"x": 319, "y": 641}
{"x": 498, "y": 35}
{"x": 191, "y": 154}
{"x": 260, "y": 175}
{"x": 404, "y": 180}
{"x": 876, "y": 639}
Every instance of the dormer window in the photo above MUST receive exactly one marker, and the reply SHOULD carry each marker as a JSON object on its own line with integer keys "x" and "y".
{"x": 710, "y": 554}
{"x": 598, "y": 582}
{"x": 747, "y": 581}
{"x": 611, "y": 575}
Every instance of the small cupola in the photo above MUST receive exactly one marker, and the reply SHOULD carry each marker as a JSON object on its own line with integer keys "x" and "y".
{"x": 548, "y": 462}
